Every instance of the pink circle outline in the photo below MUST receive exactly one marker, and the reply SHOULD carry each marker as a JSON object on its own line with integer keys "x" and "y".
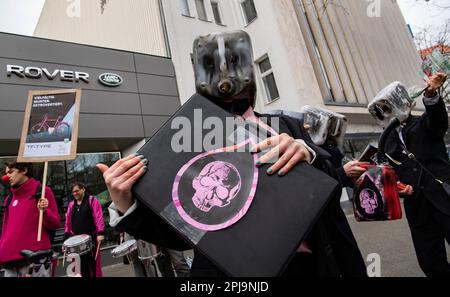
{"x": 241, "y": 212}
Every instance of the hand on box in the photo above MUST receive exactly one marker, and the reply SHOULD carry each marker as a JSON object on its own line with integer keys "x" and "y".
{"x": 120, "y": 178}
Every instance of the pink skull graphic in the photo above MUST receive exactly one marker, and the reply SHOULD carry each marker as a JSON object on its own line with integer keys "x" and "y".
{"x": 368, "y": 200}
{"x": 217, "y": 184}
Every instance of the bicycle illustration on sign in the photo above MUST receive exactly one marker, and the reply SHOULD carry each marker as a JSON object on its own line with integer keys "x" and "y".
{"x": 43, "y": 128}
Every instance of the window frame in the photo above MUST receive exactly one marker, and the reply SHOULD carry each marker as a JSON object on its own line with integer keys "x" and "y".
{"x": 185, "y": 6}
{"x": 247, "y": 22}
{"x": 267, "y": 96}
{"x": 219, "y": 11}
{"x": 204, "y": 9}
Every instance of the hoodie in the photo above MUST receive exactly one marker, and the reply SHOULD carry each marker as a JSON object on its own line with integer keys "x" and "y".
{"x": 21, "y": 219}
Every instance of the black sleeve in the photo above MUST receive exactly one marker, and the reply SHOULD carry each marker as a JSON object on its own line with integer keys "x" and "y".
{"x": 146, "y": 225}
{"x": 343, "y": 178}
{"x": 436, "y": 118}
{"x": 299, "y": 132}
{"x": 321, "y": 153}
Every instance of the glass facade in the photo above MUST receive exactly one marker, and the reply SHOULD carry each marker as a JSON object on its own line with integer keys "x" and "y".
{"x": 62, "y": 173}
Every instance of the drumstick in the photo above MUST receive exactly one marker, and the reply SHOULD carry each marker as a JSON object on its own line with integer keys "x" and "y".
{"x": 98, "y": 248}
{"x": 64, "y": 258}
{"x": 129, "y": 261}
{"x": 41, "y": 211}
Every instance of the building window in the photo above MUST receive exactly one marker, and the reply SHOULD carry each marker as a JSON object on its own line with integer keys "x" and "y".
{"x": 185, "y": 8}
{"x": 201, "y": 10}
{"x": 216, "y": 12}
{"x": 248, "y": 6}
{"x": 268, "y": 80}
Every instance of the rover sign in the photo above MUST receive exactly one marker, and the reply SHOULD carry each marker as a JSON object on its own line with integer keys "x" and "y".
{"x": 37, "y": 72}
{"x": 107, "y": 79}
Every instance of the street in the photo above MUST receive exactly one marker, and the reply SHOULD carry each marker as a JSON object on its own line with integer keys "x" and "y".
{"x": 391, "y": 240}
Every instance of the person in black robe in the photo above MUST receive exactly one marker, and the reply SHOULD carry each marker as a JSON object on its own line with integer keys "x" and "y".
{"x": 223, "y": 67}
{"x": 327, "y": 130}
{"x": 427, "y": 204}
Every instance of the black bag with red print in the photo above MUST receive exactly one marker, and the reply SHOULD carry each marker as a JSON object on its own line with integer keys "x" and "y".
{"x": 375, "y": 196}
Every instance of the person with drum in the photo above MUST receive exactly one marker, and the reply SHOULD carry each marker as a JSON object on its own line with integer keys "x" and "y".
{"x": 21, "y": 218}
{"x": 85, "y": 217}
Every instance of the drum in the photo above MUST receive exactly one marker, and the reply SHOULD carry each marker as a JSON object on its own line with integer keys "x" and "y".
{"x": 79, "y": 244}
{"x": 124, "y": 249}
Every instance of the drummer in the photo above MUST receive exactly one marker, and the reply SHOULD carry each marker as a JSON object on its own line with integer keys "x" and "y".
{"x": 85, "y": 216}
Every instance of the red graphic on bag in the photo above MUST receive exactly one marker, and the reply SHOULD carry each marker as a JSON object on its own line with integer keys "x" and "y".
{"x": 375, "y": 196}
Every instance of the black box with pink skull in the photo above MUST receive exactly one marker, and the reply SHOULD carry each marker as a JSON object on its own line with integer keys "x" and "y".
{"x": 208, "y": 188}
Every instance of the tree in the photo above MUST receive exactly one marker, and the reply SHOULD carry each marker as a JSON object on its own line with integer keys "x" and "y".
{"x": 326, "y": 3}
{"x": 102, "y": 5}
{"x": 433, "y": 37}
{"x": 441, "y": 4}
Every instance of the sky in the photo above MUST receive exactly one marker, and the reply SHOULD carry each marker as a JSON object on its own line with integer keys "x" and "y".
{"x": 421, "y": 14}
{"x": 21, "y": 16}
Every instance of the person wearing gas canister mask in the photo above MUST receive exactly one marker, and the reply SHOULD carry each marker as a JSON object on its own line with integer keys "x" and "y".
{"x": 224, "y": 74}
{"x": 327, "y": 130}
{"x": 416, "y": 149}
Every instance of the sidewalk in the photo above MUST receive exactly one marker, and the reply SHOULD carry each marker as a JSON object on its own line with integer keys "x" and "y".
{"x": 122, "y": 270}
{"x": 118, "y": 270}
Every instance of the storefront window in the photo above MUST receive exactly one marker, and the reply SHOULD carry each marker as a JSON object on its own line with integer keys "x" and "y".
{"x": 61, "y": 174}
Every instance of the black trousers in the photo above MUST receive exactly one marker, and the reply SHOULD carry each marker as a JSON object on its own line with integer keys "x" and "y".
{"x": 429, "y": 242}
{"x": 88, "y": 263}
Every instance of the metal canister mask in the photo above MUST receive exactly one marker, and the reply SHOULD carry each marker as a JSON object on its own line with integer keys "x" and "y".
{"x": 224, "y": 71}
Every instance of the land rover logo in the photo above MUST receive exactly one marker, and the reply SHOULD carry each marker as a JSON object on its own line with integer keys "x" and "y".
{"x": 110, "y": 79}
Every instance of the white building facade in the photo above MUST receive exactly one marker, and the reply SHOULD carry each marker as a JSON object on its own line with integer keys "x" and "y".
{"x": 131, "y": 25}
{"x": 336, "y": 56}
